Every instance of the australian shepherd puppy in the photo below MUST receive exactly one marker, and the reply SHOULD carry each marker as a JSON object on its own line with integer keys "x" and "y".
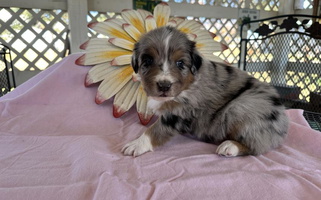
{"x": 214, "y": 102}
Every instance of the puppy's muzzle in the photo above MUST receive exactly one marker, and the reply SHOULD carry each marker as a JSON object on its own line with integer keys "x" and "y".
{"x": 164, "y": 86}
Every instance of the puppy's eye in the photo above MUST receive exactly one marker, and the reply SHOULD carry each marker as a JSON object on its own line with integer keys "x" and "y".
{"x": 180, "y": 64}
{"x": 148, "y": 61}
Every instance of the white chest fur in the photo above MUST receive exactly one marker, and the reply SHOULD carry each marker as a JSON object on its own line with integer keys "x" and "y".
{"x": 155, "y": 103}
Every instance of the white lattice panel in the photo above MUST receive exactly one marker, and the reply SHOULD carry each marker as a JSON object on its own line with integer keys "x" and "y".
{"x": 271, "y": 5}
{"x": 36, "y": 37}
{"x": 268, "y": 5}
{"x": 226, "y": 31}
{"x": 308, "y": 4}
{"x": 224, "y": 3}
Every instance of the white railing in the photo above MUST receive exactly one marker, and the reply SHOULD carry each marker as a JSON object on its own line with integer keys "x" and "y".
{"x": 38, "y": 31}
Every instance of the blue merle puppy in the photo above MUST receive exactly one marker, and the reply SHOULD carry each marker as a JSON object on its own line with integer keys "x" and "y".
{"x": 214, "y": 102}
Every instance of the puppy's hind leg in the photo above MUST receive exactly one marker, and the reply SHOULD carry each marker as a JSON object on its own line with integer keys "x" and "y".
{"x": 231, "y": 148}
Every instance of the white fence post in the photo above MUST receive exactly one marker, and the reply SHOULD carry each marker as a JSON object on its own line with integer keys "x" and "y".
{"x": 77, "y": 11}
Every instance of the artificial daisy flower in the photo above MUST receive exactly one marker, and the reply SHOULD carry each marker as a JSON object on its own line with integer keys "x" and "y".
{"x": 111, "y": 57}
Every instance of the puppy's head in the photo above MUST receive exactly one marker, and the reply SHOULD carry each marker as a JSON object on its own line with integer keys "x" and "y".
{"x": 167, "y": 61}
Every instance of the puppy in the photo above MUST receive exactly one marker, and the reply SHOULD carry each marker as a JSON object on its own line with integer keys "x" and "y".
{"x": 214, "y": 102}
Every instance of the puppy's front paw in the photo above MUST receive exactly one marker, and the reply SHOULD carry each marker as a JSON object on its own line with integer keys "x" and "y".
{"x": 228, "y": 148}
{"x": 138, "y": 147}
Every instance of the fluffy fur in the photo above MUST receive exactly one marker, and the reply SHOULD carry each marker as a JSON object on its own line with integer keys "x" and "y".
{"x": 215, "y": 102}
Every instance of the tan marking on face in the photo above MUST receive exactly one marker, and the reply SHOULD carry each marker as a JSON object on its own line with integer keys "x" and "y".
{"x": 188, "y": 81}
{"x": 189, "y": 77}
{"x": 177, "y": 55}
{"x": 152, "y": 51}
{"x": 149, "y": 81}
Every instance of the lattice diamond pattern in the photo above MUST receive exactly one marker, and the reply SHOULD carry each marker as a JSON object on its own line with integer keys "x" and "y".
{"x": 311, "y": 47}
{"x": 303, "y": 56}
{"x": 226, "y": 31}
{"x": 268, "y": 5}
{"x": 38, "y": 38}
{"x": 260, "y": 51}
{"x": 308, "y": 4}
{"x": 223, "y": 3}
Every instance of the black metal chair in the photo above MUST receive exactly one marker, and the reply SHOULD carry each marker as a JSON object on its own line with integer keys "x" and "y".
{"x": 7, "y": 78}
{"x": 285, "y": 51}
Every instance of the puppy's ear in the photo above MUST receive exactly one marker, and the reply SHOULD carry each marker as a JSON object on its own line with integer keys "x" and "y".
{"x": 197, "y": 62}
{"x": 196, "y": 59}
{"x": 135, "y": 56}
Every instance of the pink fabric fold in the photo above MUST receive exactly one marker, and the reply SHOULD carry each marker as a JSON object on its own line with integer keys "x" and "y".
{"x": 56, "y": 143}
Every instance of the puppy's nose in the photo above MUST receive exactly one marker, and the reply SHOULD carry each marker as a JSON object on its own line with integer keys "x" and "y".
{"x": 164, "y": 86}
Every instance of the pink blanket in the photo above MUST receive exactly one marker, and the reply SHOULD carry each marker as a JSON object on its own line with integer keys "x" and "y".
{"x": 56, "y": 143}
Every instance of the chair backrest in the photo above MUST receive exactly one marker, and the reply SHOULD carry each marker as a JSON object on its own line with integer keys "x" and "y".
{"x": 7, "y": 78}
{"x": 285, "y": 51}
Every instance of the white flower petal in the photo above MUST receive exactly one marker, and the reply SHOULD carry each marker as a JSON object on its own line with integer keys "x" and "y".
{"x": 96, "y": 44}
{"x": 122, "y": 43}
{"x": 134, "y": 18}
{"x": 132, "y": 31}
{"x": 145, "y": 114}
{"x": 125, "y": 98}
{"x": 190, "y": 26}
{"x": 97, "y": 57}
{"x": 122, "y": 60}
{"x": 144, "y": 13}
{"x": 110, "y": 28}
{"x": 150, "y": 23}
{"x": 98, "y": 73}
{"x": 191, "y": 36}
{"x": 161, "y": 13}
{"x": 206, "y": 44}
{"x": 178, "y": 20}
{"x": 113, "y": 83}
